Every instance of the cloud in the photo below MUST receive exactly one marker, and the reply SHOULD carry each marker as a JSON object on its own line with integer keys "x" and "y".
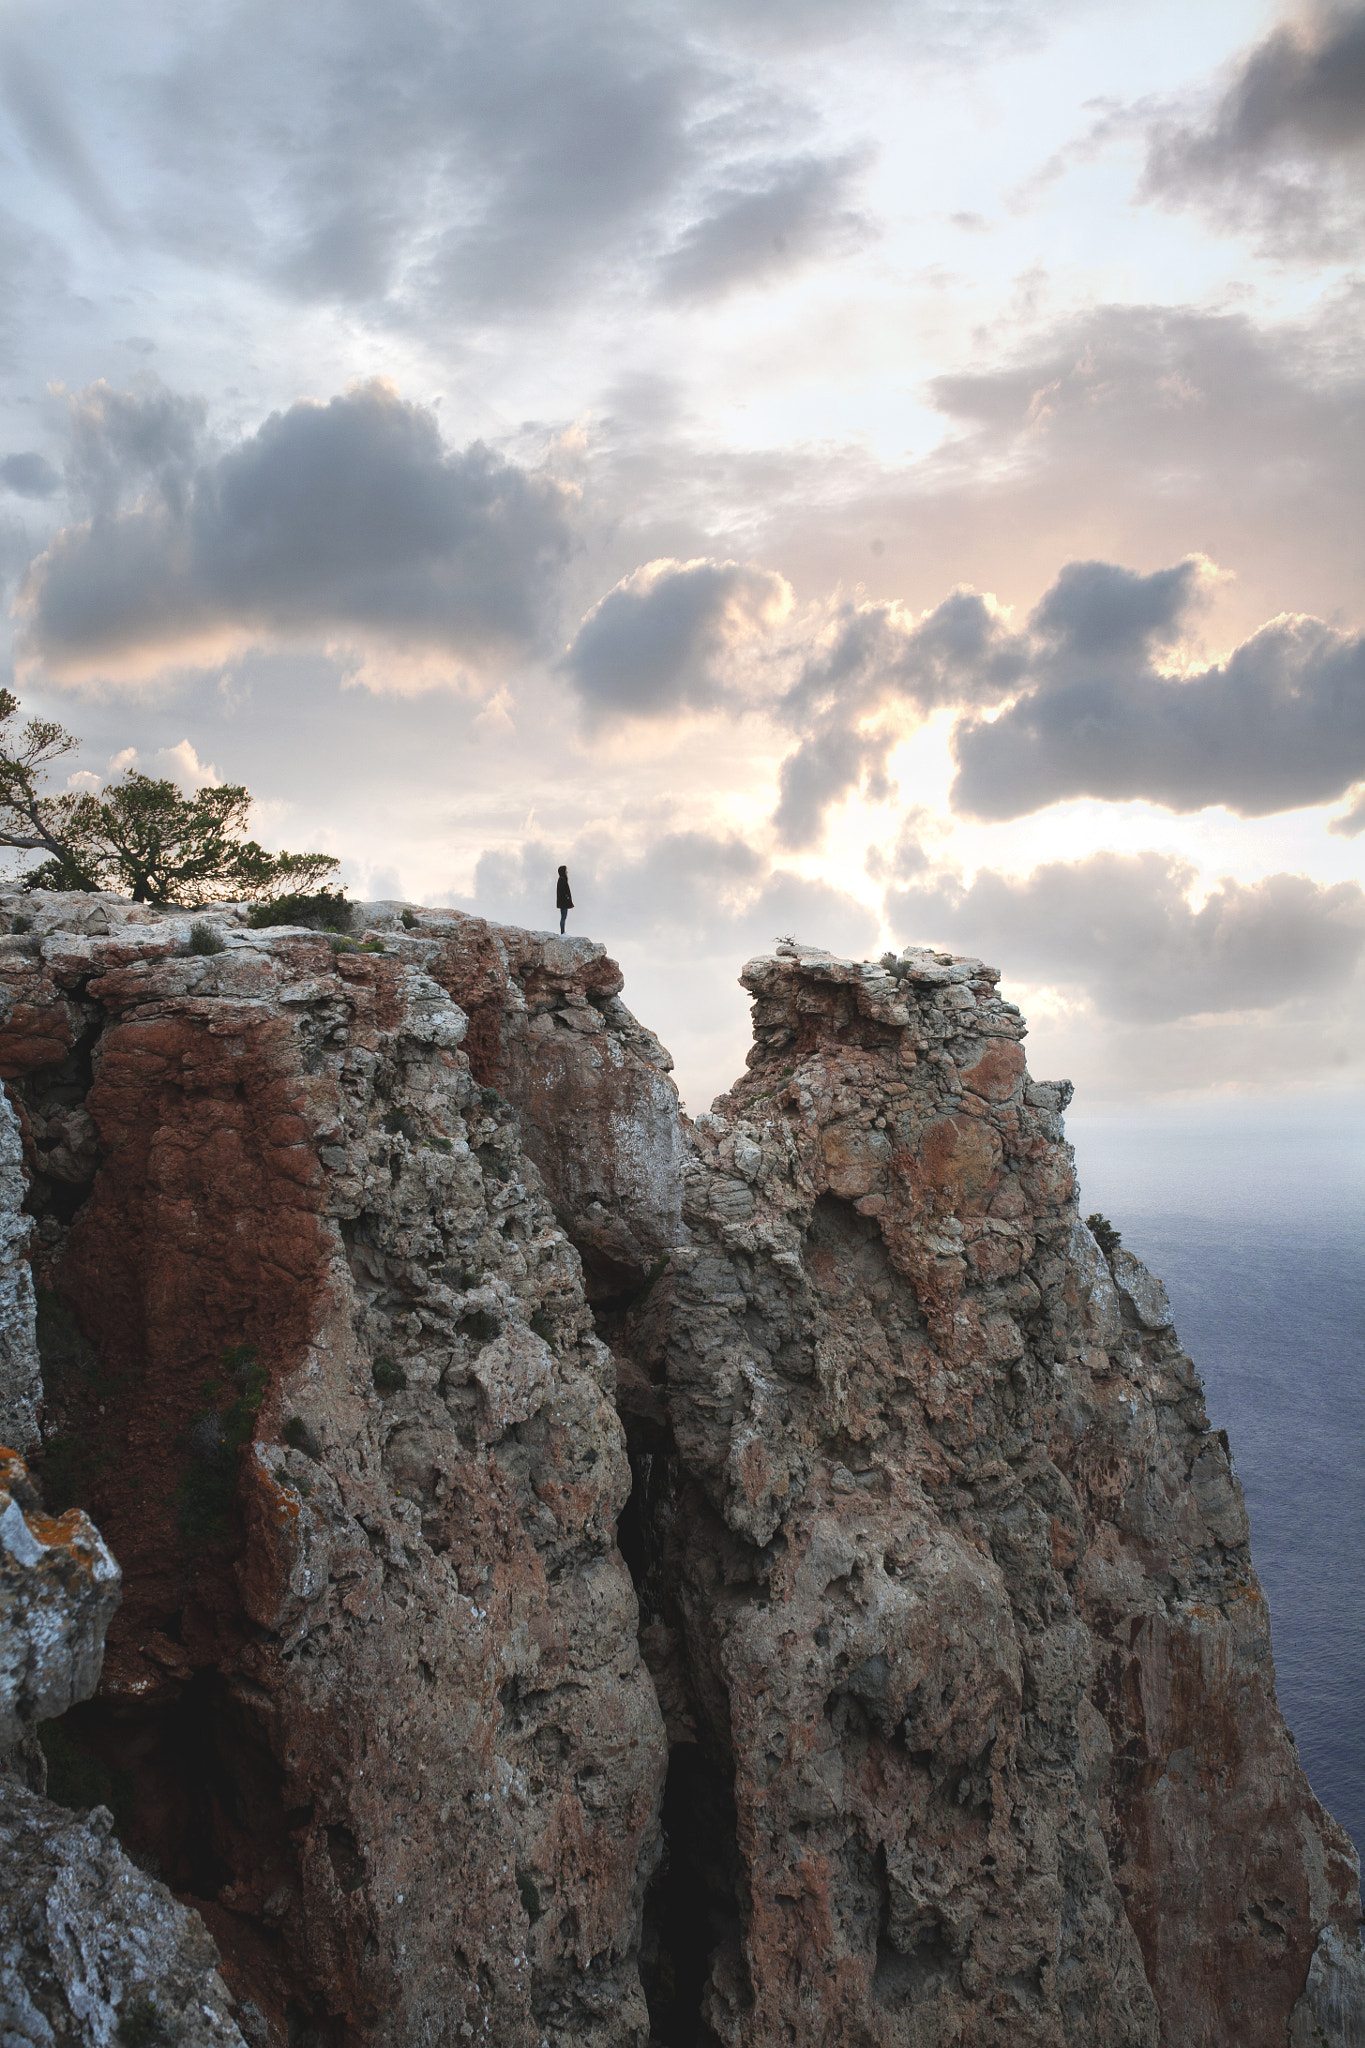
{"x": 349, "y": 518}
{"x": 29, "y": 475}
{"x": 123, "y": 443}
{"x": 1096, "y": 697}
{"x": 182, "y": 764}
{"x": 1280, "y": 723}
{"x": 708, "y": 893}
{"x": 1352, "y": 822}
{"x": 1137, "y": 434}
{"x": 1280, "y": 152}
{"x": 784, "y": 214}
{"x": 675, "y": 636}
{"x": 871, "y": 664}
{"x": 53, "y": 140}
{"x": 470, "y": 162}
{"x": 1121, "y": 929}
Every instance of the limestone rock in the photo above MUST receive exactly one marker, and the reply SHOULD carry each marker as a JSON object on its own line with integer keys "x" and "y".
{"x": 91, "y": 1949}
{"x": 360, "y": 1261}
{"x": 1331, "y": 2012}
{"x": 548, "y": 1030}
{"x": 59, "y": 1588}
{"x": 972, "y": 1645}
{"x": 322, "y": 1366}
{"x": 20, "y": 1378}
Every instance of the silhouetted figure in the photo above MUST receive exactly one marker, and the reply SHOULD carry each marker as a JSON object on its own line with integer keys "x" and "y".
{"x": 563, "y": 897}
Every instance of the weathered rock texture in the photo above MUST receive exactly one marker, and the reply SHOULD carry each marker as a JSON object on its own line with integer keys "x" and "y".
{"x": 92, "y": 1950}
{"x": 547, "y": 1027}
{"x": 321, "y": 1363}
{"x": 950, "y": 1578}
{"x": 59, "y": 1588}
{"x": 943, "y": 1581}
{"x": 89, "y": 1945}
{"x": 20, "y": 1378}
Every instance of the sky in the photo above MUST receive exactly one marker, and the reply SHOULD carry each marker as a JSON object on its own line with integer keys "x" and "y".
{"x": 886, "y": 474}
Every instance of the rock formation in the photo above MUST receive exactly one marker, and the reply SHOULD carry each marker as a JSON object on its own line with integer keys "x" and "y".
{"x": 907, "y": 1684}
{"x": 91, "y": 1949}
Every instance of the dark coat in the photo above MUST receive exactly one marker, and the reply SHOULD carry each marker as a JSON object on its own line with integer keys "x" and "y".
{"x": 563, "y": 899}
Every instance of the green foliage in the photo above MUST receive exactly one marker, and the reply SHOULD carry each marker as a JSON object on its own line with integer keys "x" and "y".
{"x": 408, "y": 921}
{"x": 320, "y": 911}
{"x": 1104, "y": 1234}
{"x": 295, "y": 1433}
{"x": 21, "y": 924}
{"x": 388, "y": 1377}
{"x": 204, "y": 939}
{"x": 141, "y": 835}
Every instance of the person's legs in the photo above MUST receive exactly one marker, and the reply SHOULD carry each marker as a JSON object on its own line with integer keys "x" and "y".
{"x": 563, "y": 919}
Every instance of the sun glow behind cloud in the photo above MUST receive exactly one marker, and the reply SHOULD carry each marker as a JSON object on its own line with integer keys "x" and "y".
{"x": 499, "y": 446}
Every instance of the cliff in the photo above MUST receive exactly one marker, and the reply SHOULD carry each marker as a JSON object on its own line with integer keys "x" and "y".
{"x": 587, "y": 1575}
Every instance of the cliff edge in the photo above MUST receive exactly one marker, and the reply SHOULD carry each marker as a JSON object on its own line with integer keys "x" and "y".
{"x": 595, "y": 1578}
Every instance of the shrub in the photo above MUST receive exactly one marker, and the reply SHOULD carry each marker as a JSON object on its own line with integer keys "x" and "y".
{"x": 388, "y": 1377}
{"x": 295, "y": 1433}
{"x": 322, "y": 910}
{"x": 408, "y": 921}
{"x": 1104, "y": 1234}
{"x": 204, "y": 939}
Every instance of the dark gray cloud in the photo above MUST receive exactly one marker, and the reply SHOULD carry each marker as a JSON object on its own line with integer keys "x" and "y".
{"x": 1120, "y": 928}
{"x": 347, "y": 517}
{"x": 470, "y": 161}
{"x": 873, "y": 659}
{"x": 122, "y": 443}
{"x": 783, "y": 214}
{"x": 674, "y": 636}
{"x": 1279, "y": 724}
{"x": 1280, "y": 152}
{"x": 29, "y": 475}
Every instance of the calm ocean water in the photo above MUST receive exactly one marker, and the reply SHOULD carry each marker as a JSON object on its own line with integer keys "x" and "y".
{"x": 1257, "y": 1227}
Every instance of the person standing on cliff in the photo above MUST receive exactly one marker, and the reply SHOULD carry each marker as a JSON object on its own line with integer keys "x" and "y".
{"x": 563, "y": 897}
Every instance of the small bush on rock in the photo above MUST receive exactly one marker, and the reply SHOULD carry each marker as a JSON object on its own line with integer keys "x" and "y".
{"x": 322, "y": 910}
{"x": 204, "y": 939}
{"x": 1104, "y": 1234}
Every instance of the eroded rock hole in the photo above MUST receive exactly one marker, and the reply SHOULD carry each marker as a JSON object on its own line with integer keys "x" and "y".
{"x": 194, "y": 1789}
{"x": 690, "y": 1909}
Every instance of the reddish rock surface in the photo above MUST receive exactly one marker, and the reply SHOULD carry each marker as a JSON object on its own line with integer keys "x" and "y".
{"x": 319, "y": 1359}
{"x": 941, "y": 1578}
{"x": 590, "y": 1083}
{"x": 950, "y": 1580}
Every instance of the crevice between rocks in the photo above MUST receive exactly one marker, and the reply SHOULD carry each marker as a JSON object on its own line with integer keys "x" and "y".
{"x": 691, "y": 1910}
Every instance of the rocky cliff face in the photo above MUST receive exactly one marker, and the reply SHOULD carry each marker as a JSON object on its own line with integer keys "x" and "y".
{"x": 361, "y": 1273}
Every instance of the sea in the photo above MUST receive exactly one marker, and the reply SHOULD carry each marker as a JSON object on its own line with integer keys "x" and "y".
{"x": 1255, "y": 1219}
